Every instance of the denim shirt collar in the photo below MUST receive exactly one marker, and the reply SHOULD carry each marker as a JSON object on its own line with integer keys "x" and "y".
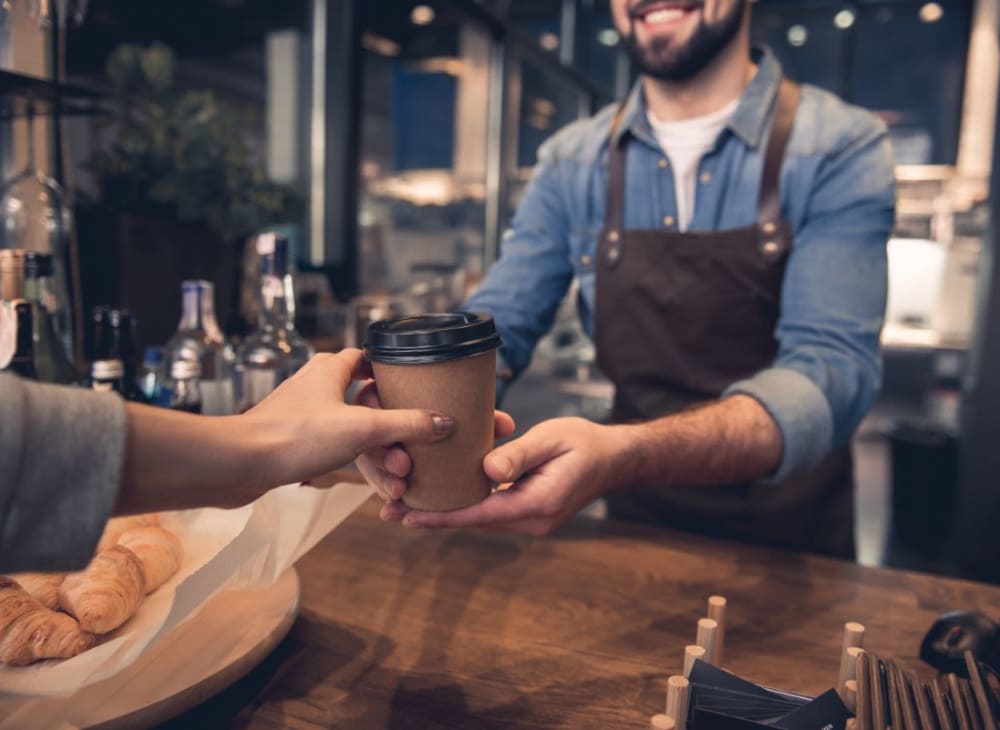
{"x": 748, "y": 121}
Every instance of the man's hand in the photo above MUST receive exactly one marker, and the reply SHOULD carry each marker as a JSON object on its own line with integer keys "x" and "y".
{"x": 556, "y": 468}
{"x": 386, "y": 466}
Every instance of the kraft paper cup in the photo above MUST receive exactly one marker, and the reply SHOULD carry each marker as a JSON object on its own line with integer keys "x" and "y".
{"x": 444, "y": 363}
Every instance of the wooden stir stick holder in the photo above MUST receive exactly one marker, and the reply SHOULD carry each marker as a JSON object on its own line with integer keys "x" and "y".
{"x": 692, "y": 652}
{"x": 661, "y": 722}
{"x": 677, "y": 699}
{"x": 708, "y": 630}
{"x": 848, "y": 667}
{"x": 717, "y": 612}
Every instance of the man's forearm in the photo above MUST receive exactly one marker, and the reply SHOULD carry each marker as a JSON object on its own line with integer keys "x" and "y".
{"x": 724, "y": 442}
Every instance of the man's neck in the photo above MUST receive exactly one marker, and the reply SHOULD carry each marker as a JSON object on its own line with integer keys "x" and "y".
{"x": 723, "y": 80}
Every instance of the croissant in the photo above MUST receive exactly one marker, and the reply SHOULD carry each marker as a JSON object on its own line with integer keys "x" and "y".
{"x": 29, "y": 631}
{"x": 117, "y": 525}
{"x": 158, "y": 550}
{"x": 43, "y": 587}
{"x": 106, "y": 594}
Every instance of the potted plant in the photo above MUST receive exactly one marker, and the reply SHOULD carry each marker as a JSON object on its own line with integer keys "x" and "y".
{"x": 182, "y": 184}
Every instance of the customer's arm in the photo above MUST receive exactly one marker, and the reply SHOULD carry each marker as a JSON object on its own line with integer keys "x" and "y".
{"x": 70, "y": 458}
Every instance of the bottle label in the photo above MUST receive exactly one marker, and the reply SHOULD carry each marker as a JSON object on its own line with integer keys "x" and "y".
{"x": 255, "y": 384}
{"x": 217, "y": 397}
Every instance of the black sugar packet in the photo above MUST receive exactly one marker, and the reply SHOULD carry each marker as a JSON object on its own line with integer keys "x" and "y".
{"x": 722, "y": 701}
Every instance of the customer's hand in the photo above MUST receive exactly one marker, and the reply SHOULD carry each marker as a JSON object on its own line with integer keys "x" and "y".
{"x": 556, "y": 468}
{"x": 311, "y": 430}
{"x": 386, "y": 467}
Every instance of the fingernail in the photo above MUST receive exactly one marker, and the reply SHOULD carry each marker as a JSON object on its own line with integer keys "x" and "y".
{"x": 504, "y": 466}
{"x": 443, "y": 425}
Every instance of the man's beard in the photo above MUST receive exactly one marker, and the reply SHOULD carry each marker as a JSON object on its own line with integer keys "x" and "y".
{"x": 661, "y": 59}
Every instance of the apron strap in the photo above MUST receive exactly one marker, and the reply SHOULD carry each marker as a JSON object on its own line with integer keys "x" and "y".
{"x": 614, "y": 216}
{"x": 774, "y": 235}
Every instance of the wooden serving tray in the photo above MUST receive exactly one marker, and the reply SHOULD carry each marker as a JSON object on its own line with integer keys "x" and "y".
{"x": 226, "y": 639}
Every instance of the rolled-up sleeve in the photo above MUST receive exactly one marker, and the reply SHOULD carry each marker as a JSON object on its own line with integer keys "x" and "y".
{"x": 828, "y": 369}
{"x": 61, "y": 457}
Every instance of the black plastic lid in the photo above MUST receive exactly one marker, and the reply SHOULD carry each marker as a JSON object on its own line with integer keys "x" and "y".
{"x": 428, "y": 338}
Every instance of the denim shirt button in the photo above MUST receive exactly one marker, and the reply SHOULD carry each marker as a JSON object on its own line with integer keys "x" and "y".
{"x": 663, "y": 163}
{"x": 771, "y": 248}
{"x": 585, "y": 260}
{"x": 706, "y": 177}
{"x": 668, "y": 221}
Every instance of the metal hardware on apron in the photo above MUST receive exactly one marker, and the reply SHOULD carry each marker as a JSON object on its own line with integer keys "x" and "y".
{"x": 681, "y": 316}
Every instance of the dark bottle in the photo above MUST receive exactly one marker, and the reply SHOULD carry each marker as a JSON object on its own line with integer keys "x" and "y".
{"x": 107, "y": 374}
{"x": 114, "y": 342}
{"x": 123, "y": 328}
{"x": 52, "y": 363}
{"x": 22, "y": 361}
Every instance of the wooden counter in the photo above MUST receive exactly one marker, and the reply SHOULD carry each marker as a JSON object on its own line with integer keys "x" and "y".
{"x": 403, "y": 628}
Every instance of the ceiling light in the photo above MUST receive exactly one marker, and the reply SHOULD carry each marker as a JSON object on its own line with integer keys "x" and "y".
{"x": 548, "y": 41}
{"x": 607, "y": 37}
{"x": 422, "y": 15}
{"x": 844, "y": 19}
{"x": 931, "y": 12}
{"x": 797, "y": 35}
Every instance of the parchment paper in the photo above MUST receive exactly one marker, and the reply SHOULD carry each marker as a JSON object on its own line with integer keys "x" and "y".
{"x": 242, "y": 548}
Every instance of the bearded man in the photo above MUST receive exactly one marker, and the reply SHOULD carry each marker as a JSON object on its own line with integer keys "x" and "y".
{"x": 728, "y": 230}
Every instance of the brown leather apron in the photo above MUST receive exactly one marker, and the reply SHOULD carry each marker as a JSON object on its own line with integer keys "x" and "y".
{"x": 681, "y": 316}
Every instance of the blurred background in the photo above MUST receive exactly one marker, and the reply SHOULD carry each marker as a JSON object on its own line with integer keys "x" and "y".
{"x": 388, "y": 142}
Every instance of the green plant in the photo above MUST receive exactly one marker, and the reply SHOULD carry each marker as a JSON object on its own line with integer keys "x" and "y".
{"x": 183, "y": 152}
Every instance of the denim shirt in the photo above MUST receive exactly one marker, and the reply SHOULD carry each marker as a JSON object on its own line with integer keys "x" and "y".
{"x": 837, "y": 194}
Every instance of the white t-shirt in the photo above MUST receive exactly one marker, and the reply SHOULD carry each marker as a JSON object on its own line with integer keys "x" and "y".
{"x": 685, "y": 143}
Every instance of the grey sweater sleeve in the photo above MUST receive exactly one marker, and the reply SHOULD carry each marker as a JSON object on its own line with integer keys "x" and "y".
{"x": 61, "y": 456}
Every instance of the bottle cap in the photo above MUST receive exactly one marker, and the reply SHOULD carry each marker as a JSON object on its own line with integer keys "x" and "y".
{"x": 107, "y": 369}
{"x": 185, "y": 369}
{"x": 429, "y": 338}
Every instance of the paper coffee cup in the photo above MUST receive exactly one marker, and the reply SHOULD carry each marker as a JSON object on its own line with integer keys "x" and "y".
{"x": 444, "y": 363}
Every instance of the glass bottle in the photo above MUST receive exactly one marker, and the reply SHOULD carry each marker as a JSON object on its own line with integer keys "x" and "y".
{"x": 122, "y": 323}
{"x": 51, "y": 361}
{"x": 22, "y": 361}
{"x": 275, "y": 351}
{"x": 108, "y": 374}
{"x": 34, "y": 216}
{"x": 113, "y": 347}
{"x": 185, "y": 390}
{"x": 199, "y": 339}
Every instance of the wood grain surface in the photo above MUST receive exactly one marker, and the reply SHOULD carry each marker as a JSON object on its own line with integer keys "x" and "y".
{"x": 405, "y": 628}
